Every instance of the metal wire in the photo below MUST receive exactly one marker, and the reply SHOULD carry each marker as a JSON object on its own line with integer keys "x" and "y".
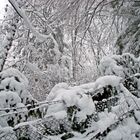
{"x": 8, "y": 136}
{"x": 33, "y": 107}
{"x": 41, "y": 128}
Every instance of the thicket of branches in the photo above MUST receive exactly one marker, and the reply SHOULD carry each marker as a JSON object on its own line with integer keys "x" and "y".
{"x": 63, "y": 41}
{"x": 72, "y": 41}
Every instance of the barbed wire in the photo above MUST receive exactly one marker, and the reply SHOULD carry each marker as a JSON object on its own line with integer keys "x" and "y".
{"x": 33, "y": 133}
{"x": 33, "y": 107}
{"x": 44, "y": 104}
{"x": 39, "y": 127}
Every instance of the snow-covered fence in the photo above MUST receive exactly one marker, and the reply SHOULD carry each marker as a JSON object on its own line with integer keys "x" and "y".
{"x": 52, "y": 126}
{"x": 100, "y": 106}
{"x": 8, "y": 136}
{"x": 34, "y": 130}
{"x": 13, "y": 110}
{"x": 7, "y": 133}
{"x": 26, "y": 132}
{"x": 70, "y": 109}
{"x": 37, "y": 130}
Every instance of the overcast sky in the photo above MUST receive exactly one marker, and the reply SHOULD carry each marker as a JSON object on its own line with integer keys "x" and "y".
{"x": 2, "y": 6}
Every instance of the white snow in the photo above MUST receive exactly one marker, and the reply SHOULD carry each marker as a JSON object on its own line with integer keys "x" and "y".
{"x": 108, "y": 80}
{"x": 70, "y": 97}
{"x": 28, "y": 23}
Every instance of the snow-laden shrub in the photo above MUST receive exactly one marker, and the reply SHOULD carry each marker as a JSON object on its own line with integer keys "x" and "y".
{"x": 126, "y": 69}
{"x": 125, "y": 66}
{"x": 73, "y": 105}
{"x": 129, "y": 130}
{"x": 79, "y": 106}
{"x": 12, "y": 80}
{"x": 100, "y": 106}
{"x": 14, "y": 97}
{"x": 120, "y": 65}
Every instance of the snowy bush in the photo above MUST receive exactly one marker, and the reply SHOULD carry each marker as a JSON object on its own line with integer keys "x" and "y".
{"x": 12, "y": 80}
{"x": 120, "y": 65}
{"x": 80, "y": 106}
{"x": 126, "y": 66}
{"x": 76, "y": 107}
{"x": 101, "y": 106}
{"x": 14, "y": 97}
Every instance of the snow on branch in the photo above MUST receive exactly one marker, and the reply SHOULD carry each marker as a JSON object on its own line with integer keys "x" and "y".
{"x": 23, "y": 15}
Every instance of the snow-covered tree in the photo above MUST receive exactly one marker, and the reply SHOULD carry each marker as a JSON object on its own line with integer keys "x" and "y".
{"x": 107, "y": 108}
{"x": 44, "y": 54}
{"x": 73, "y": 44}
{"x": 14, "y": 93}
{"x": 128, "y": 41}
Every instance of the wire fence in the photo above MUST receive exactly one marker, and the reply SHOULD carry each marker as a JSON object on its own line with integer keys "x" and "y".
{"x": 29, "y": 132}
{"x": 39, "y": 129}
{"x": 8, "y": 136}
{"x": 33, "y": 130}
{"x": 31, "y": 107}
{"x": 23, "y": 133}
{"x": 36, "y": 130}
